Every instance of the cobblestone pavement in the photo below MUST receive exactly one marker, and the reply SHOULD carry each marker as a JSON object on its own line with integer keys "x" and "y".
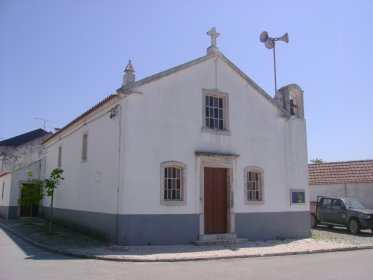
{"x": 67, "y": 241}
{"x": 340, "y": 235}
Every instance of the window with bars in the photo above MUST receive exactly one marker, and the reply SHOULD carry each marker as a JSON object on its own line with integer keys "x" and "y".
{"x": 214, "y": 112}
{"x": 173, "y": 183}
{"x": 254, "y": 184}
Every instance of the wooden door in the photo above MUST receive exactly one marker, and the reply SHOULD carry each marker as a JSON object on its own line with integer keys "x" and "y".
{"x": 215, "y": 200}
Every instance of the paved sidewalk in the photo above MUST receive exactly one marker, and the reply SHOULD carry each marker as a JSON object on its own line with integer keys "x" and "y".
{"x": 69, "y": 242}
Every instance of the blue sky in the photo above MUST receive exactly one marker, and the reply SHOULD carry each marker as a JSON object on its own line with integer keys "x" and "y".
{"x": 58, "y": 58}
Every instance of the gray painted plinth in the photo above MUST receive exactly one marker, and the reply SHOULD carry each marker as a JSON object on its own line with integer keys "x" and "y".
{"x": 9, "y": 212}
{"x": 99, "y": 224}
{"x": 275, "y": 225}
{"x": 158, "y": 229}
{"x": 182, "y": 228}
{"x": 132, "y": 229}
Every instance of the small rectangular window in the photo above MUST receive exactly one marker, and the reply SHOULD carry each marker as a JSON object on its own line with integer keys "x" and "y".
{"x": 85, "y": 147}
{"x": 297, "y": 196}
{"x": 2, "y": 191}
{"x": 214, "y": 112}
{"x": 59, "y": 161}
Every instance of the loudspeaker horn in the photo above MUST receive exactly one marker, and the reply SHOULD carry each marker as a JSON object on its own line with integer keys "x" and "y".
{"x": 269, "y": 43}
{"x": 284, "y": 38}
{"x": 263, "y": 36}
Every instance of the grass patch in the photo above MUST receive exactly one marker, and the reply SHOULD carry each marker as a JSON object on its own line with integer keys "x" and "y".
{"x": 52, "y": 233}
{"x": 32, "y": 223}
{"x": 314, "y": 235}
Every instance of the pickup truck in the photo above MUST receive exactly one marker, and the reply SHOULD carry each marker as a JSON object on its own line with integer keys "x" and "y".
{"x": 338, "y": 211}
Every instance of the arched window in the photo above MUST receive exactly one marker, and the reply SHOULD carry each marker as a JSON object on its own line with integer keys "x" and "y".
{"x": 254, "y": 184}
{"x": 173, "y": 183}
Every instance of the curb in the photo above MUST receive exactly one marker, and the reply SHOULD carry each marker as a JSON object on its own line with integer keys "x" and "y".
{"x": 181, "y": 259}
{"x": 42, "y": 246}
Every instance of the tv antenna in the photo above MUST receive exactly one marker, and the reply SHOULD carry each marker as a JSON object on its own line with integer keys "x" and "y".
{"x": 44, "y": 122}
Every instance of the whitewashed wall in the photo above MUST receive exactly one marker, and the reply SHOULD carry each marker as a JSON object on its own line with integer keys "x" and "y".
{"x": 362, "y": 192}
{"x": 90, "y": 185}
{"x": 165, "y": 124}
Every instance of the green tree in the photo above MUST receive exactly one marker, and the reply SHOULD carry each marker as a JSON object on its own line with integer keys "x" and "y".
{"x": 50, "y": 184}
{"x": 31, "y": 191}
{"x": 317, "y": 160}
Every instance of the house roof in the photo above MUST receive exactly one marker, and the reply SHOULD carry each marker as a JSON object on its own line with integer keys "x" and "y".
{"x": 344, "y": 172}
{"x": 24, "y": 138}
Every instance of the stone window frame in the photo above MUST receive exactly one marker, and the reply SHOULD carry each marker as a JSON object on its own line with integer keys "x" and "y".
{"x": 2, "y": 190}
{"x": 260, "y": 171}
{"x": 85, "y": 147}
{"x": 183, "y": 183}
{"x": 225, "y": 97}
{"x": 59, "y": 156}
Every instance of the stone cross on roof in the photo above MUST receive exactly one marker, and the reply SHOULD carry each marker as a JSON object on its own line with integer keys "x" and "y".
{"x": 213, "y": 35}
{"x": 213, "y": 48}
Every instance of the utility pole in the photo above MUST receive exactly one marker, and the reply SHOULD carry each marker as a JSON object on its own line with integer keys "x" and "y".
{"x": 269, "y": 42}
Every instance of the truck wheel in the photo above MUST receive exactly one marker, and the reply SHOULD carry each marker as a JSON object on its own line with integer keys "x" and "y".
{"x": 354, "y": 227}
{"x": 313, "y": 221}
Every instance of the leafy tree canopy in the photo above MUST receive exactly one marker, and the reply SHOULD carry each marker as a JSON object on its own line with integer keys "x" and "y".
{"x": 317, "y": 160}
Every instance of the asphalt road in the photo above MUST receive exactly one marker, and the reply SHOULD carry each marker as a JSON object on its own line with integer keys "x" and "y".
{"x": 19, "y": 260}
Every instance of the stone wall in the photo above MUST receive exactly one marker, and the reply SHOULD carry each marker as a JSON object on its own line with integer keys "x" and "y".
{"x": 18, "y": 156}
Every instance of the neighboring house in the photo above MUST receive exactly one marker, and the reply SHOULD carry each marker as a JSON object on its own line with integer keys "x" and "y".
{"x": 18, "y": 154}
{"x": 5, "y": 180}
{"x": 195, "y": 152}
{"x": 21, "y": 150}
{"x": 342, "y": 179}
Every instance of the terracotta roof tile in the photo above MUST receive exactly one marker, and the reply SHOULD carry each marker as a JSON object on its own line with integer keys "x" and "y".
{"x": 359, "y": 171}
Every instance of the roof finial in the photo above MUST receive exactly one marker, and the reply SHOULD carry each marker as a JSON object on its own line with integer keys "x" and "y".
{"x": 129, "y": 68}
{"x": 128, "y": 76}
{"x": 213, "y": 48}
